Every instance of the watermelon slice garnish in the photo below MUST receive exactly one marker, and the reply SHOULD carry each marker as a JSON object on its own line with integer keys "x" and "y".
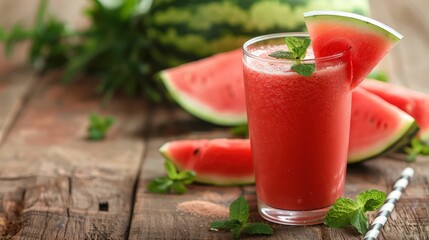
{"x": 334, "y": 32}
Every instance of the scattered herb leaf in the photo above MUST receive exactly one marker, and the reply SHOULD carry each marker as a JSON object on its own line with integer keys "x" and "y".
{"x": 174, "y": 182}
{"x": 416, "y": 147}
{"x": 241, "y": 131}
{"x": 346, "y": 211}
{"x": 298, "y": 49}
{"x": 304, "y": 69}
{"x": 98, "y": 126}
{"x": 114, "y": 47}
{"x": 379, "y": 75}
{"x": 282, "y": 55}
{"x": 239, "y": 221}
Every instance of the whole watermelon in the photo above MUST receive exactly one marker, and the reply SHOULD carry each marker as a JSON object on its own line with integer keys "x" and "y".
{"x": 185, "y": 30}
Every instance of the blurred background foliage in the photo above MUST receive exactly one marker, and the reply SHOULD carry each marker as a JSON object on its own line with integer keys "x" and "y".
{"x": 128, "y": 41}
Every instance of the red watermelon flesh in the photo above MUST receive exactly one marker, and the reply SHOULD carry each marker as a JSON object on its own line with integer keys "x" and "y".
{"x": 211, "y": 89}
{"x": 410, "y": 101}
{"x": 218, "y": 161}
{"x": 377, "y": 127}
{"x": 333, "y": 32}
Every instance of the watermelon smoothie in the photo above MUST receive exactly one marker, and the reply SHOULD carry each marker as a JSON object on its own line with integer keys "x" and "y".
{"x": 299, "y": 131}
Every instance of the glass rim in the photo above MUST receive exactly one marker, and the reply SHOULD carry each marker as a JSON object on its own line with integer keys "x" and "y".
{"x": 282, "y": 35}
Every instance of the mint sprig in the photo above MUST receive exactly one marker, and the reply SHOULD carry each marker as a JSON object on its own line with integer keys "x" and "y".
{"x": 174, "y": 182}
{"x": 239, "y": 221}
{"x": 298, "y": 49}
{"x": 417, "y": 147}
{"x": 346, "y": 211}
{"x": 98, "y": 126}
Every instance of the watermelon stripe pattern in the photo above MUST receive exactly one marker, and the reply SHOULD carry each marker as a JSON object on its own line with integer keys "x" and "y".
{"x": 389, "y": 205}
{"x": 183, "y": 31}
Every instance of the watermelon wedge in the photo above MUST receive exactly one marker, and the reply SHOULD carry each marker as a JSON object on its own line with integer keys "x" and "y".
{"x": 217, "y": 161}
{"x": 211, "y": 89}
{"x": 377, "y": 127}
{"x": 333, "y": 32}
{"x": 410, "y": 101}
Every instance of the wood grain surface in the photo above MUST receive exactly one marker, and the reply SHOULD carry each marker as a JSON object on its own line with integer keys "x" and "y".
{"x": 54, "y": 184}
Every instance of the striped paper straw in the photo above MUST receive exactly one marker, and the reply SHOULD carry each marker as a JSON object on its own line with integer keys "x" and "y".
{"x": 388, "y": 206}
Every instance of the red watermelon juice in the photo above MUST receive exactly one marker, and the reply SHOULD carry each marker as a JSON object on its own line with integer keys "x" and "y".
{"x": 299, "y": 131}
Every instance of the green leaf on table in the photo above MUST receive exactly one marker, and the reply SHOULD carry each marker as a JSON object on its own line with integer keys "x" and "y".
{"x": 174, "y": 182}
{"x": 417, "y": 147}
{"x": 98, "y": 126}
{"x": 187, "y": 177}
{"x": 160, "y": 185}
{"x": 241, "y": 130}
{"x": 340, "y": 213}
{"x": 379, "y": 75}
{"x": 178, "y": 187}
{"x": 345, "y": 211}
{"x": 359, "y": 221}
{"x": 239, "y": 210}
{"x": 239, "y": 221}
{"x": 371, "y": 200}
{"x": 225, "y": 224}
{"x": 171, "y": 170}
{"x": 2, "y": 34}
{"x": 257, "y": 228}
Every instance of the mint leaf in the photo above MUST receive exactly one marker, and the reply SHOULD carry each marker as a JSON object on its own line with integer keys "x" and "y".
{"x": 379, "y": 75}
{"x": 98, "y": 126}
{"x": 186, "y": 177}
{"x": 346, "y": 211}
{"x": 239, "y": 216}
{"x": 178, "y": 187}
{"x": 239, "y": 210}
{"x": 300, "y": 52}
{"x": 417, "y": 147}
{"x": 171, "y": 170}
{"x": 359, "y": 221}
{"x": 282, "y": 55}
{"x": 241, "y": 130}
{"x": 225, "y": 224}
{"x": 174, "y": 182}
{"x": 160, "y": 185}
{"x": 236, "y": 232}
{"x": 340, "y": 213}
{"x": 2, "y": 34}
{"x": 294, "y": 44}
{"x": 257, "y": 228}
{"x": 371, "y": 200}
{"x": 298, "y": 49}
{"x": 304, "y": 69}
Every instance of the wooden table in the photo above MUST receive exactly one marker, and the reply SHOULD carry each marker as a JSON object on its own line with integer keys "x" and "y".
{"x": 54, "y": 184}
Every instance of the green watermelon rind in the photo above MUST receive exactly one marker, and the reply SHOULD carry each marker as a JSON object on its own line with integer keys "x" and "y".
{"x": 211, "y": 179}
{"x": 201, "y": 110}
{"x": 355, "y": 19}
{"x": 396, "y": 142}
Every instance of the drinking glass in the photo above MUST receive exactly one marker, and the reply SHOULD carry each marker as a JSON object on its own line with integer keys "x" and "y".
{"x": 298, "y": 129}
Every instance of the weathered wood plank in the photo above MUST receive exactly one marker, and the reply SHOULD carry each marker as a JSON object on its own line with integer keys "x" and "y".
{"x": 15, "y": 83}
{"x": 160, "y": 216}
{"x": 63, "y": 186}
